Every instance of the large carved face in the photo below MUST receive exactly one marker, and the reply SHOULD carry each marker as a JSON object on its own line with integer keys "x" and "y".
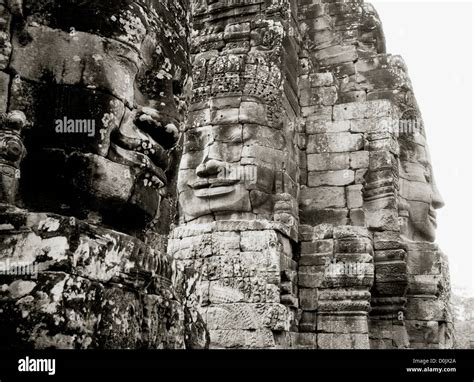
{"x": 100, "y": 83}
{"x": 231, "y": 169}
{"x": 419, "y": 195}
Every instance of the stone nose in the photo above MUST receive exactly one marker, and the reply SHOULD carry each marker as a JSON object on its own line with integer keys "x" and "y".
{"x": 209, "y": 168}
{"x": 437, "y": 200}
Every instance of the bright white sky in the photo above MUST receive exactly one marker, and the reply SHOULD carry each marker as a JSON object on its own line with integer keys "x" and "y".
{"x": 435, "y": 39}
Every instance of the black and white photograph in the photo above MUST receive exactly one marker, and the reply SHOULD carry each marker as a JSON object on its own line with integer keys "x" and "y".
{"x": 234, "y": 184}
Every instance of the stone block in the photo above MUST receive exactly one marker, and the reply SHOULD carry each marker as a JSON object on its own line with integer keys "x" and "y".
{"x": 390, "y": 255}
{"x": 248, "y": 316}
{"x": 426, "y": 309}
{"x": 391, "y": 272}
{"x": 314, "y": 259}
{"x": 350, "y": 232}
{"x": 357, "y": 217}
{"x": 321, "y": 113}
{"x": 304, "y": 340}
{"x": 219, "y": 103}
{"x": 243, "y": 339}
{"x": 354, "y": 196}
{"x": 353, "y": 96}
{"x": 335, "y": 143}
{"x": 225, "y": 116}
{"x": 325, "y": 96}
{"x": 308, "y": 299}
{"x": 424, "y": 331}
{"x": 257, "y": 241}
{"x": 381, "y": 160}
{"x": 387, "y": 240}
{"x": 330, "y": 178}
{"x": 382, "y": 219}
{"x": 381, "y": 344}
{"x": 342, "y": 324}
{"x": 423, "y": 263}
{"x": 237, "y": 31}
{"x": 387, "y": 202}
{"x": 253, "y": 112}
{"x": 383, "y": 124}
{"x": 322, "y": 197}
{"x": 424, "y": 284}
{"x": 361, "y": 110}
{"x": 308, "y": 322}
{"x": 353, "y": 245}
{"x": 359, "y": 159}
{"x": 323, "y": 231}
{"x": 334, "y": 216}
{"x": 327, "y": 161}
{"x": 317, "y": 246}
{"x": 343, "y": 341}
{"x": 337, "y": 54}
{"x": 317, "y": 126}
{"x": 310, "y": 277}
{"x": 321, "y": 79}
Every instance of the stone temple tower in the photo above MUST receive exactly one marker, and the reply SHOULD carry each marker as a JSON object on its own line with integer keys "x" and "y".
{"x": 93, "y": 94}
{"x": 257, "y": 177}
{"x": 306, "y": 195}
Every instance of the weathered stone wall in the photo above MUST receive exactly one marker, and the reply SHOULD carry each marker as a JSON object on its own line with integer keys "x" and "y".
{"x": 247, "y": 284}
{"x": 72, "y": 285}
{"x": 238, "y": 177}
{"x": 84, "y": 261}
{"x": 279, "y": 136}
{"x": 359, "y": 173}
{"x": 350, "y": 177}
{"x": 365, "y": 185}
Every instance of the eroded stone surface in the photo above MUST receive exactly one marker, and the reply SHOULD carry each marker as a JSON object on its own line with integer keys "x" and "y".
{"x": 284, "y": 142}
{"x": 94, "y": 95}
{"x": 72, "y": 285}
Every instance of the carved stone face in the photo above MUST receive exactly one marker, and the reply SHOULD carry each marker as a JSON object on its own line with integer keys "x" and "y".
{"x": 109, "y": 75}
{"x": 232, "y": 168}
{"x": 419, "y": 195}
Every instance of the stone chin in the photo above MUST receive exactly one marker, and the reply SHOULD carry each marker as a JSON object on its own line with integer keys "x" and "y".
{"x": 424, "y": 231}
{"x": 421, "y": 221}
